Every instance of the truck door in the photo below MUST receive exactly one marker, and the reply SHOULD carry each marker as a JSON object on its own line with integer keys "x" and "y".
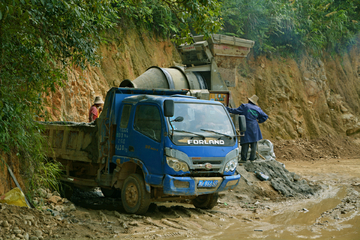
{"x": 146, "y": 139}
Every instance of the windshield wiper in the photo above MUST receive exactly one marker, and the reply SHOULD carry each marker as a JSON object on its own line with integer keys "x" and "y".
{"x": 206, "y": 130}
{"x": 176, "y": 130}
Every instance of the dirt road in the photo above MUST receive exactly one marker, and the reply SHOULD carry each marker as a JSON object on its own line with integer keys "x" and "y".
{"x": 333, "y": 213}
{"x": 253, "y": 210}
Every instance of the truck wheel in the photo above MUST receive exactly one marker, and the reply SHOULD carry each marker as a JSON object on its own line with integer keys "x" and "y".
{"x": 134, "y": 196}
{"x": 206, "y": 201}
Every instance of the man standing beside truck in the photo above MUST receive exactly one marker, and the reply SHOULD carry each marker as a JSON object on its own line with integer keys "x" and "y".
{"x": 95, "y": 109}
{"x": 253, "y": 115}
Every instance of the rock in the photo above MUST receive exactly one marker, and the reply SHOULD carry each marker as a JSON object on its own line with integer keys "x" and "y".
{"x": 55, "y": 193}
{"x": 59, "y": 208}
{"x": 135, "y": 224}
{"x": 49, "y": 195}
{"x": 27, "y": 217}
{"x": 103, "y": 217}
{"x": 55, "y": 199}
{"x": 117, "y": 214}
{"x": 123, "y": 224}
{"x": 38, "y": 233}
{"x": 55, "y": 213}
{"x": 16, "y": 230}
{"x": 48, "y": 212}
{"x": 70, "y": 208}
{"x": 300, "y": 130}
{"x": 5, "y": 224}
{"x": 42, "y": 192}
{"x": 296, "y": 177}
{"x": 137, "y": 216}
{"x": 20, "y": 236}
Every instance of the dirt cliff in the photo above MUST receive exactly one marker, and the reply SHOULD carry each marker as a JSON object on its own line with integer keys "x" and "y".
{"x": 305, "y": 97}
{"x": 313, "y": 104}
{"x": 126, "y": 56}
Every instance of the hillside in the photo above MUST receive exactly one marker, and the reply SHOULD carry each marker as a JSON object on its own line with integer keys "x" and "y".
{"x": 313, "y": 105}
{"x": 305, "y": 98}
{"x": 126, "y": 56}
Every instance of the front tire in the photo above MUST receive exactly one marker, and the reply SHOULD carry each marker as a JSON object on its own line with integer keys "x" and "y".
{"x": 134, "y": 196}
{"x": 206, "y": 201}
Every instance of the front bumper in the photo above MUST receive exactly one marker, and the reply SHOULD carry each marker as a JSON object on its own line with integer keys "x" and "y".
{"x": 188, "y": 186}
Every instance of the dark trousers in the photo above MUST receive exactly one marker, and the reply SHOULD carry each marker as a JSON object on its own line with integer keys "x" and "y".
{"x": 245, "y": 149}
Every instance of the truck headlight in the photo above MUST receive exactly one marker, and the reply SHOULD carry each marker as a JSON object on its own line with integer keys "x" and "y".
{"x": 231, "y": 165}
{"x": 177, "y": 165}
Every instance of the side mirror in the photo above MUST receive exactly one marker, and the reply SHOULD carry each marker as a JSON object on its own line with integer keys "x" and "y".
{"x": 169, "y": 108}
{"x": 178, "y": 119}
{"x": 242, "y": 123}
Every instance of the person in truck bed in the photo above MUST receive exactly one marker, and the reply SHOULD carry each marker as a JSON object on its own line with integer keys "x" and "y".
{"x": 95, "y": 109}
{"x": 253, "y": 115}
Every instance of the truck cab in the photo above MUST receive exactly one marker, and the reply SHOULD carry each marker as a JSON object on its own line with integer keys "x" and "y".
{"x": 183, "y": 147}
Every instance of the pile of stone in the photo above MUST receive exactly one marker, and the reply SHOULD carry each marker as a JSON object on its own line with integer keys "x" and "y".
{"x": 36, "y": 223}
{"x": 286, "y": 183}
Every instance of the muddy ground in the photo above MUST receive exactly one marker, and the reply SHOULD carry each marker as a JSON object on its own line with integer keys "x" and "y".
{"x": 326, "y": 206}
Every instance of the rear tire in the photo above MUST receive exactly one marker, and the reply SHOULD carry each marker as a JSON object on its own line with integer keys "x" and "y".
{"x": 206, "y": 201}
{"x": 134, "y": 196}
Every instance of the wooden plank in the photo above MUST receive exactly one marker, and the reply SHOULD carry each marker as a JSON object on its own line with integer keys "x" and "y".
{"x": 80, "y": 140}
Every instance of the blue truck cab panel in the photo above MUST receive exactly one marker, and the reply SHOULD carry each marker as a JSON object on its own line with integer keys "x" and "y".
{"x": 192, "y": 153}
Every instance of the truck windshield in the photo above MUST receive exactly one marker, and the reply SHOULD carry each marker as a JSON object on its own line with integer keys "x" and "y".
{"x": 202, "y": 120}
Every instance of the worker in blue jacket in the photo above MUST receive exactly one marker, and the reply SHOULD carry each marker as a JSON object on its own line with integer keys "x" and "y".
{"x": 253, "y": 115}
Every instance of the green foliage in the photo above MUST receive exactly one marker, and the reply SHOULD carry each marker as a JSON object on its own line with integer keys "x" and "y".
{"x": 38, "y": 39}
{"x": 169, "y": 17}
{"x": 151, "y": 15}
{"x": 293, "y": 26}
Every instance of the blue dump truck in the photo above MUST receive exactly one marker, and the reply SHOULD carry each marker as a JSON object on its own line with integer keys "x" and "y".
{"x": 150, "y": 146}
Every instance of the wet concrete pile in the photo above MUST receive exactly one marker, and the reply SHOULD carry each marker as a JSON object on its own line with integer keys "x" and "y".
{"x": 287, "y": 183}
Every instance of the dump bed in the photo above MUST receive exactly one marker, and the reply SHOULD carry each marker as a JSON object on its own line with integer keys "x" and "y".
{"x": 71, "y": 141}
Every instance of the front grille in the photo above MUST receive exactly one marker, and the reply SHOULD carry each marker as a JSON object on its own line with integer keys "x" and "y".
{"x": 206, "y": 161}
{"x": 200, "y": 163}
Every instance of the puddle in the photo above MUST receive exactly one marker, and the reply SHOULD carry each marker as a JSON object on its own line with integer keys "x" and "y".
{"x": 310, "y": 210}
{"x": 294, "y": 224}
